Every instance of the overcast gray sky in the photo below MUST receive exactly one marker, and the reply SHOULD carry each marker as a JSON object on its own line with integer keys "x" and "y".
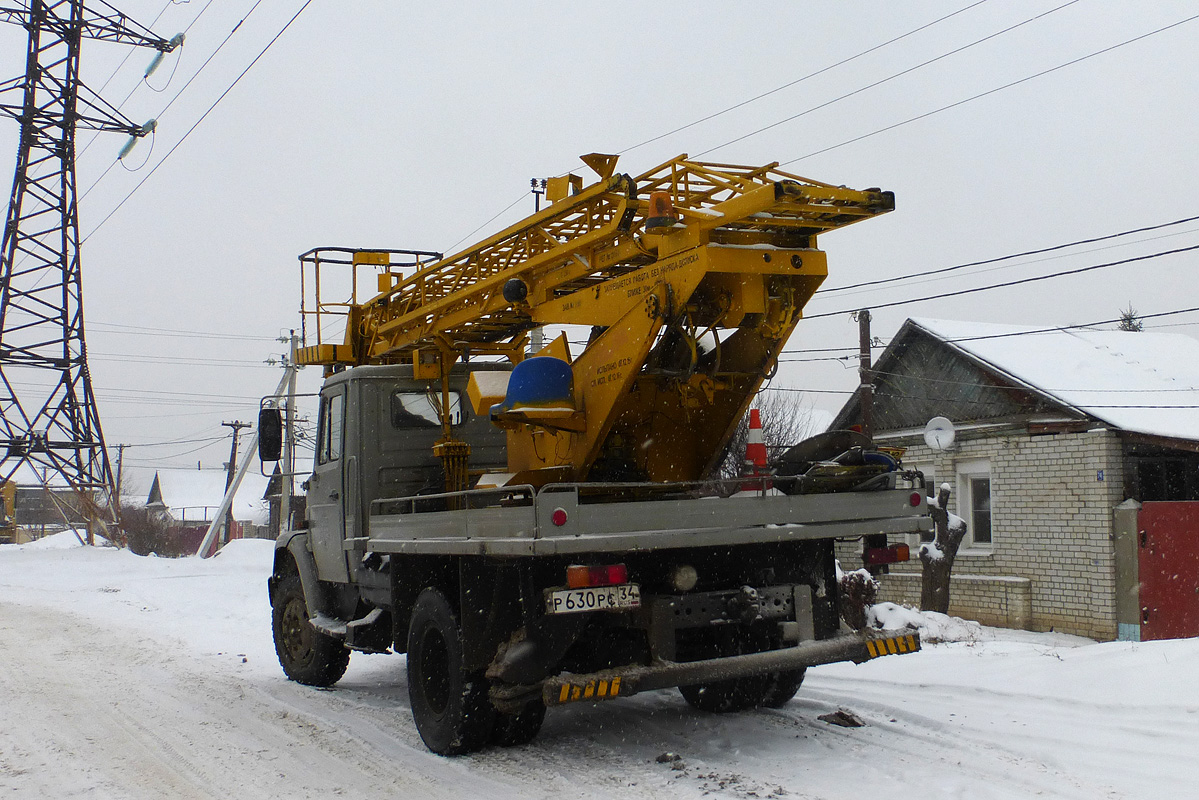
{"x": 389, "y": 124}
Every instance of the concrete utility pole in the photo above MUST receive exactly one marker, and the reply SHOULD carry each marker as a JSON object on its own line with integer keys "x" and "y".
{"x": 236, "y": 425}
{"x": 865, "y": 376}
{"x": 227, "y": 502}
{"x": 289, "y": 448}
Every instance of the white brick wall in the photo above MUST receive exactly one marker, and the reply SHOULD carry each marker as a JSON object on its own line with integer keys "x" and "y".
{"x": 1051, "y": 524}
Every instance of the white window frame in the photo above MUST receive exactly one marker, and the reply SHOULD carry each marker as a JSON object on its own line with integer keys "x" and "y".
{"x": 966, "y": 471}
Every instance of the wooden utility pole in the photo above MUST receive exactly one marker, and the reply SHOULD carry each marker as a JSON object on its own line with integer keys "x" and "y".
{"x": 120, "y": 461}
{"x": 236, "y": 425}
{"x": 865, "y": 376}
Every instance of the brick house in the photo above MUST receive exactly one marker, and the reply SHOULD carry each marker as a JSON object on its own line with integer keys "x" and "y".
{"x": 1061, "y": 436}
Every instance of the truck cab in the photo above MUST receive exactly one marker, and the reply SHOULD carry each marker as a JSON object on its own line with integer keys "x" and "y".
{"x": 376, "y": 428}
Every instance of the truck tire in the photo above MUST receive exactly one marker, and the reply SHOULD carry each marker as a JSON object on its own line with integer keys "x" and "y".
{"x": 450, "y": 706}
{"x": 782, "y": 687}
{"x": 735, "y": 694}
{"x": 520, "y": 728}
{"x": 306, "y": 655}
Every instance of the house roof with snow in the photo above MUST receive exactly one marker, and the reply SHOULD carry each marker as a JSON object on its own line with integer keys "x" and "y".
{"x": 195, "y": 495}
{"x": 1137, "y": 382}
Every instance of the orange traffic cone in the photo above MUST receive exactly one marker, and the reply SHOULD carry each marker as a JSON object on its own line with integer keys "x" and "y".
{"x": 755, "y": 447}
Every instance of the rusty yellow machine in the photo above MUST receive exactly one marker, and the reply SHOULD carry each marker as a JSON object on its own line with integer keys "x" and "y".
{"x": 539, "y": 528}
{"x": 8, "y": 510}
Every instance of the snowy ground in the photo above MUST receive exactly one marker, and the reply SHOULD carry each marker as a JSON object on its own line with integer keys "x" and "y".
{"x": 128, "y": 677}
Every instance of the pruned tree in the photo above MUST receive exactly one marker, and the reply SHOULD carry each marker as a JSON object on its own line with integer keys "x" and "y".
{"x": 938, "y": 556}
{"x": 1130, "y": 321}
{"x": 786, "y": 421}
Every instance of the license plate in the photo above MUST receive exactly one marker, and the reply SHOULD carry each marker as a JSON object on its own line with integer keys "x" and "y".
{"x": 598, "y": 598}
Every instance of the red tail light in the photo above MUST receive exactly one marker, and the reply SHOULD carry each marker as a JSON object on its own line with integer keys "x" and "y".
{"x": 886, "y": 555}
{"x": 581, "y": 577}
{"x": 915, "y": 499}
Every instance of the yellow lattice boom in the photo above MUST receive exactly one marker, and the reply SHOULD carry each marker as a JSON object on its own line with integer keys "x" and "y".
{"x": 692, "y": 276}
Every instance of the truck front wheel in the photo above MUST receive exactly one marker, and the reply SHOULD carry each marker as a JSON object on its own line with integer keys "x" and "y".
{"x": 451, "y": 708}
{"x": 307, "y": 655}
{"x": 519, "y": 728}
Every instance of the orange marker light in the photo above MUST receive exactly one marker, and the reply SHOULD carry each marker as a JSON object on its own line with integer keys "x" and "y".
{"x": 661, "y": 213}
{"x": 579, "y": 576}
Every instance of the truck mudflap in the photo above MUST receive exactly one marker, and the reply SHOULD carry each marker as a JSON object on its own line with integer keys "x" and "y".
{"x": 626, "y": 681}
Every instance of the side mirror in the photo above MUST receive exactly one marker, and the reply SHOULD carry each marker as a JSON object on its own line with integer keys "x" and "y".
{"x": 270, "y": 434}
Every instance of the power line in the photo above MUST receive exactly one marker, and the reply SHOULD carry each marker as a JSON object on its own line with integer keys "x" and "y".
{"x": 488, "y": 222}
{"x": 182, "y": 89}
{"x": 892, "y": 391}
{"x": 214, "y": 53}
{"x": 991, "y": 91}
{"x": 762, "y": 95}
{"x": 139, "y": 329}
{"x": 1017, "y": 282}
{"x": 173, "y": 360}
{"x": 200, "y": 120}
{"x": 207, "y": 440}
{"x": 1023, "y": 254}
{"x": 788, "y": 85}
{"x": 887, "y": 79}
{"x": 137, "y": 85}
{"x": 129, "y": 53}
{"x": 1033, "y": 261}
{"x": 1056, "y": 329}
{"x": 1158, "y": 315}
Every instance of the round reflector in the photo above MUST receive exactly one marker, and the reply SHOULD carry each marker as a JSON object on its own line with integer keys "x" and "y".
{"x": 558, "y": 517}
{"x": 915, "y": 499}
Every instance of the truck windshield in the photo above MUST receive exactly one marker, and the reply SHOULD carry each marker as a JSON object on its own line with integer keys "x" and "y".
{"x": 423, "y": 409}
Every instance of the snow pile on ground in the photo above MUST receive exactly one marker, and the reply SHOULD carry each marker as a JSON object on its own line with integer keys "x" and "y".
{"x": 139, "y": 678}
{"x": 933, "y": 627}
{"x": 64, "y": 540}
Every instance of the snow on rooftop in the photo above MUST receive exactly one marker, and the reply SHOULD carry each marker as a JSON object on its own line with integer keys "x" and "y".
{"x": 194, "y": 490}
{"x": 1135, "y": 381}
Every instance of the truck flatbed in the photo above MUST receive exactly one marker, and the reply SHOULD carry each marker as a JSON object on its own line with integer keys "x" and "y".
{"x": 519, "y": 521}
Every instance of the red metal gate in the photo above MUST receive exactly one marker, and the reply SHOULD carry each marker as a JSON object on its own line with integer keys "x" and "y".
{"x": 1168, "y": 566}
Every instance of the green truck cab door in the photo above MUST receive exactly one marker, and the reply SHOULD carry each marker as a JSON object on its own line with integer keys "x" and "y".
{"x": 327, "y": 488}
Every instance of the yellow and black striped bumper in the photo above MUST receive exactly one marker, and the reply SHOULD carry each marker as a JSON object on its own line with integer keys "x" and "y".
{"x": 630, "y": 680}
{"x": 893, "y": 645}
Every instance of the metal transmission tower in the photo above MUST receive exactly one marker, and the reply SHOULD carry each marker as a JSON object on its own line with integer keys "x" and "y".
{"x": 48, "y": 417}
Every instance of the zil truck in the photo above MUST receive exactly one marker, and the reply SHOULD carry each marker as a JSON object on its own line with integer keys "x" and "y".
{"x": 536, "y": 524}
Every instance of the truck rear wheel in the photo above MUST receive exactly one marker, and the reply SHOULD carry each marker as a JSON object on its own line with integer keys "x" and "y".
{"x": 782, "y": 687}
{"x": 306, "y": 655}
{"x": 450, "y": 706}
{"x": 735, "y": 694}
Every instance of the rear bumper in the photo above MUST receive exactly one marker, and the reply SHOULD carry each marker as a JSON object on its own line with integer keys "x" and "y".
{"x": 626, "y": 681}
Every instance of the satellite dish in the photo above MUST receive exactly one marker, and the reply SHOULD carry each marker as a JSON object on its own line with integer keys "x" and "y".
{"x": 939, "y": 433}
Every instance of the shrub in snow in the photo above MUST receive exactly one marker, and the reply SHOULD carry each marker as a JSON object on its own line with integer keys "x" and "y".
{"x": 858, "y": 590}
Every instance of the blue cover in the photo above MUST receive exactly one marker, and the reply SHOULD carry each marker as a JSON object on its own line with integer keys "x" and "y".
{"x": 541, "y": 382}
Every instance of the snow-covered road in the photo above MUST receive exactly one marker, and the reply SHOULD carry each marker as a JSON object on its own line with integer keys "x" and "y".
{"x": 128, "y": 677}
